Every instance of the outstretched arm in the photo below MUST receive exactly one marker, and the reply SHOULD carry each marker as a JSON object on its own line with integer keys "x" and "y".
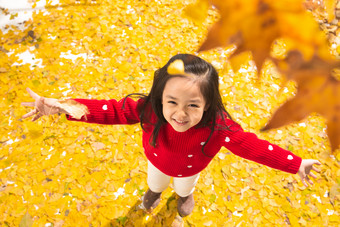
{"x": 125, "y": 111}
{"x": 42, "y": 106}
{"x": 307, "y": 165}
{"x": 247, "y": 145}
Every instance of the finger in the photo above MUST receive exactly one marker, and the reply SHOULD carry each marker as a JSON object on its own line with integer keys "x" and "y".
{"x": 309, "y": 181}
{"x": 303, "y": 179}
{"x": 304, "y": 182}
{"x": 28, "y": 104}
{"x": 36, "y": 117}
{"x": 312, "y": 175}
{"x": 315, "y": 169}
{"x": 33, "y": 94}
{"x": 30, "y": 113}
{"x": 318, "y": 163}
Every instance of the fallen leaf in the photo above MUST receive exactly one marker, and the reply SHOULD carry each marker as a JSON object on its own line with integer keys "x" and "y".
{"x": 26, "y": 221}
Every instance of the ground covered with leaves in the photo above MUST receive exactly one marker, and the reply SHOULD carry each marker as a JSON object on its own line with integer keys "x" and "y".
{"x": 59, "y": 173}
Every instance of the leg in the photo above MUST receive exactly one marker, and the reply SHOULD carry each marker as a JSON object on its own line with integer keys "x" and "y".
{"x": 157, "y": 182}
{"x": 184, "y": 187}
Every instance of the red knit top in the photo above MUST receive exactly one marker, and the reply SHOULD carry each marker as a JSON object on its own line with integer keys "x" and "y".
{"x": 179, "y": 154}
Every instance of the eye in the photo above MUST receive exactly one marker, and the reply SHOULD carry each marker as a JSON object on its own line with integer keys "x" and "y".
{"x": 172, "y": 102}
{"x": 194, "y": 105}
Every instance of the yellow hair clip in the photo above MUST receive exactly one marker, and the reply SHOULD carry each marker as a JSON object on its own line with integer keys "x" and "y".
{"x": 176, "y": 67}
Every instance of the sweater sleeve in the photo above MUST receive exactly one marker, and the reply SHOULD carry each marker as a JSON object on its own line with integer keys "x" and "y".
{"x": 247, "y": 145}
{"x": 110, "y": 112}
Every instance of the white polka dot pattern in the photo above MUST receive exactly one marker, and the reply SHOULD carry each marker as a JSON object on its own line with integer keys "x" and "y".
{"x": 189, "y": 166}
{"x": 190, "y": 155}
{"x": 104, "y": 107}
{"x": 227, "y": 139}
{"x": 270, "y": 147}
{"x": 290, "y": 157}
{"x": 202, "y": 143}
{"x": 155, "y": 154}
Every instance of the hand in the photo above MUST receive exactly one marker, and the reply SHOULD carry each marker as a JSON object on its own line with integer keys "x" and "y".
{"x": 43, "y": 106}
{"x": 305, "y": 170}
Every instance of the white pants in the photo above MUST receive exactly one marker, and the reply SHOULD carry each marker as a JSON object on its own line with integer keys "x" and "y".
{"x": 158, "y": 182}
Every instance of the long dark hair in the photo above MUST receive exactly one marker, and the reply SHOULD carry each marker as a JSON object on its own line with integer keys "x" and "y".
{"x": 208, "y": 80}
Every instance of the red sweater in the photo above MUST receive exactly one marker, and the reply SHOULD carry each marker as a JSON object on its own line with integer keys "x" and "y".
{"x": 179, "y": 154}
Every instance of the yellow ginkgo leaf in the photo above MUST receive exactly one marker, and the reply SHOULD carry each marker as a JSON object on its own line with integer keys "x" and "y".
{"x": 176, "y": 67}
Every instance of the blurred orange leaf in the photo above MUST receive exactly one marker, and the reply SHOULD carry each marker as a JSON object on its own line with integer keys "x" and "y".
{"x": 317, "y": 91}
{"x": 254, "y": 26}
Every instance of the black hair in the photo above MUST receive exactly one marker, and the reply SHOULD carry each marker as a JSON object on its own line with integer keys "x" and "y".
{"x": 208, "y": 80}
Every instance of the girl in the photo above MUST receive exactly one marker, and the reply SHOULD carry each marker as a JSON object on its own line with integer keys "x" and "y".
{"x": 184, "y": 126}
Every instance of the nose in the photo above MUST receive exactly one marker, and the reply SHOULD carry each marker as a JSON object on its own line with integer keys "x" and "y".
{"x": 181, "y": 112}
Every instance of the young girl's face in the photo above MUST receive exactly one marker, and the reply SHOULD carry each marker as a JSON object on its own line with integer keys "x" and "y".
{"x": 183, "y": 103}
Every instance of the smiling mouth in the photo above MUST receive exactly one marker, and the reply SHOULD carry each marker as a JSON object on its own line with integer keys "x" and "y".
{"x": 180, "y": 122}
